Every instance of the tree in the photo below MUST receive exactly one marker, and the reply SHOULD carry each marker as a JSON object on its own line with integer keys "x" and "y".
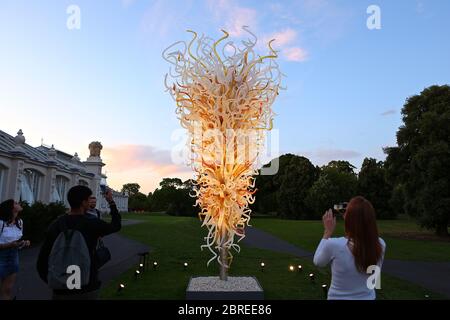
{"x": 131, "y": 189}
{"x": 373, "y": 185}
{"x": 171, "y": 183}
{"x": 299, "y": 175}
{"x": 335, "y": 184}
{"x": 423, "y": 156}
{"x": 396, "y": 166}
{"x": 182, "y": 203}
{"x": 267, "y": 186}
{"x": 174, "y": 197}
{"x": 138, "y": 202}
{"x": 342, "y": 166}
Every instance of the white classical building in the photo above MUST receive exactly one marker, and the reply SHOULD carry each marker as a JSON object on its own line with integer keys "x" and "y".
{"x": 45, "y": 174}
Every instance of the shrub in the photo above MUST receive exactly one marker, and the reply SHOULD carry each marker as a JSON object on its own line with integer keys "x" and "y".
{"x": 37, "y": 218}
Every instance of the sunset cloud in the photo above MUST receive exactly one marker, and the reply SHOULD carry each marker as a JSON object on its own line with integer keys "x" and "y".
{"x": 284, "y": 37}
{"x": 143, "y": 164}
{"x": 285, "y": 41}
{"x": 295, "y": 54}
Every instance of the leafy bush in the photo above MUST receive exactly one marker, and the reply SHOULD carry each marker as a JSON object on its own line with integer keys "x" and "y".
{"x": 37, "y": 217}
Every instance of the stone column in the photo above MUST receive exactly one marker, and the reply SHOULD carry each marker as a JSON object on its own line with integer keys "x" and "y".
{"x": 13, "y": 189}
{"x": 49, "y": 185}
{"x": 94, "y": 165}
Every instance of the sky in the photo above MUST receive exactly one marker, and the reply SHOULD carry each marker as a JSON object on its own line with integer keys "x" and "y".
{"x": 346, "y": 83}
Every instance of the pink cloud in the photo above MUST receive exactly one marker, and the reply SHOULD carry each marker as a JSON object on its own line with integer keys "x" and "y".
{"x": 295, "y": 54}
{"x": 282, "y": 38}
{"x": 233, "y": 16}
{"x": 285, "y": 37}
{"x": 143, "y": 164}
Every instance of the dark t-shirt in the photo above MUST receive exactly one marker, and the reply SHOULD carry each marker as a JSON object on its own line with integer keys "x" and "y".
{"x": 91, "y": 228}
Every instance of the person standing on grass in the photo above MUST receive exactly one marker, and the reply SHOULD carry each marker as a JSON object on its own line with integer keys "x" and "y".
{"x": 11, "y": 231}
{"x": 354, "y": 256}
{"x": 58, "y": 255}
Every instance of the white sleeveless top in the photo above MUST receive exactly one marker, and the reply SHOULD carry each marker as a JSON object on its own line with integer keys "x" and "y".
{"x": 10, "y": 233}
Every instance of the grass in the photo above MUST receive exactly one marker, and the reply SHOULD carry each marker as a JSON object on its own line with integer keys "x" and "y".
{"x": 175, "y": 240}
{"x": 306, "y": 234}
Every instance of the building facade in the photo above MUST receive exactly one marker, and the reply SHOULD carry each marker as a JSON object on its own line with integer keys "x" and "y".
{"x": 45, "y": 174}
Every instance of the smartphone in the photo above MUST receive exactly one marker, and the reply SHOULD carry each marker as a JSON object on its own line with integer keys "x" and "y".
{"x": 339, "y": 209}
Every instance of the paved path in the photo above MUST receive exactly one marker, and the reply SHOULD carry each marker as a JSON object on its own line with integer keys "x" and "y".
{"x": 123, "y": 256}
{"x": 434, "y": 276}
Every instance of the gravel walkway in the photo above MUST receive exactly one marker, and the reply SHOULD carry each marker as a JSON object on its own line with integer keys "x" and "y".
{"x": 215, "y": 284}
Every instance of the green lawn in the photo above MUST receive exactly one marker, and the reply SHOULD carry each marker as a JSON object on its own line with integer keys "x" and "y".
{"x": 307, "y": 234}
{"x": 175, "y": 240}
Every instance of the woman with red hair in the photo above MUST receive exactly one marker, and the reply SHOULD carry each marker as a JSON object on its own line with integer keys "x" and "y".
{"x": 354, "y": 257}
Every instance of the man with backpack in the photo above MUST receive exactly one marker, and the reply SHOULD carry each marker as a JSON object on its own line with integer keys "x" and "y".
{"x": 68, "y": 261}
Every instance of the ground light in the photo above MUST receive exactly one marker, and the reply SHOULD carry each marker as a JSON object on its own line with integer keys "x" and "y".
{"x": 120, "y": 287}
{"x": 262, "y": 266}
{"x": 136, "y": 274}
{"x": 299, "y": 267}
{"x": 141, "y": 267}
{"x": 325, "y": 290}
{"x": 155, "y": 265}
{"x": 291, "y": 268}
{"x": 312, "y": 277}
{"x": 185, "y": 265}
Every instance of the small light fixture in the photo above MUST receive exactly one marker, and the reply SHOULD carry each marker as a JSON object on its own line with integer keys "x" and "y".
{"x": 155, "y": 265}
{"x": 141, "y": 266}
{"x": 262, "y": 266}
{"x": 120, "y": 287}
{"x": 185, "y": 265}
{"x": 325, "y": 290}
{"x": 312, "y": 277}
{"x": 291, "y": 268}
{"x": 136, "y": 274}
{"x": 299, "y": 268}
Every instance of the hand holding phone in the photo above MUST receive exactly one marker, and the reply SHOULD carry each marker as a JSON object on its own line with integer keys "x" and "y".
{"x": 339, "y": 209}
{"x": 109, "y": 196}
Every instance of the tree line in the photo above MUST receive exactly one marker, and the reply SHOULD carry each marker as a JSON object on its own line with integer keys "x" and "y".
{"x": 414, "y": 178}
